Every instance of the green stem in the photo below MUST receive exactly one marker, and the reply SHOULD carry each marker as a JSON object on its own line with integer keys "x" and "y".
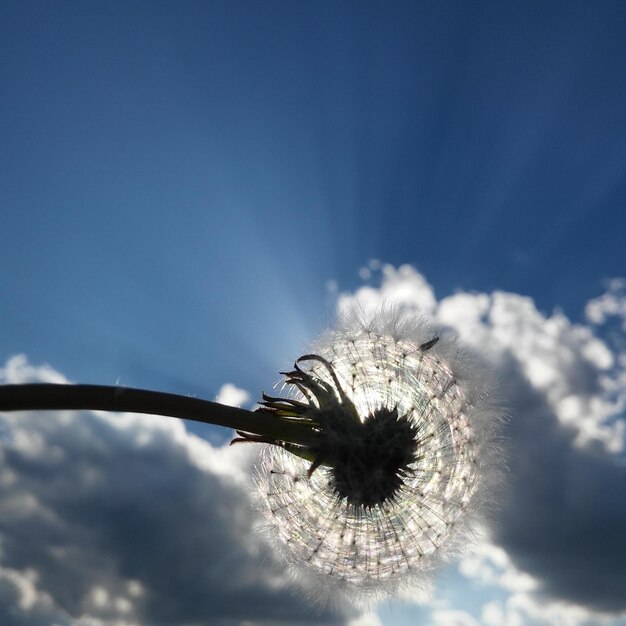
{"x": 44, "y": 397}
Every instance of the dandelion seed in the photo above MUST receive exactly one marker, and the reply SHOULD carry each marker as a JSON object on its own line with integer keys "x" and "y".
{"x": 402, "y": 423}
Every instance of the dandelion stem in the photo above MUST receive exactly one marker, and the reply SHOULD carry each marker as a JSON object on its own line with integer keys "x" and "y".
{"x": 44, "y": 397}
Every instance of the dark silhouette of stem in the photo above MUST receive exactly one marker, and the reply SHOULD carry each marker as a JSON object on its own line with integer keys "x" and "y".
{"x": 44, "y": 397}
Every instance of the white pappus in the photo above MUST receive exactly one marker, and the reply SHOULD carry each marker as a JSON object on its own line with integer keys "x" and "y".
{"x": 402, "y": 461}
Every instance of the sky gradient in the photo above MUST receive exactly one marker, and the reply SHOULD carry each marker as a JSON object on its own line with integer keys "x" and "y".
{"x": 189, "y": 191}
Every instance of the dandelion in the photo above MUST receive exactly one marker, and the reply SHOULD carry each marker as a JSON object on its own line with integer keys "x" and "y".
{"x": 399, "y": 463}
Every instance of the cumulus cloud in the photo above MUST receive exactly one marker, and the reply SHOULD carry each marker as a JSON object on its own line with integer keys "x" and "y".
{"x": 611, "y": 304}
{"x": 122, "y": 520}
{"x": 449, "y": 617}
{"x": 490, "y": 566}
{"x": 367, "y": 619}
{"x": 560, "y": 532}
{"x": 231, "y": 395}
{"x": 520, "y": 609}
{"x": 403, "y": 286}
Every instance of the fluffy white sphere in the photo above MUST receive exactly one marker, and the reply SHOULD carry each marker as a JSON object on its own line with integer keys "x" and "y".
{"x": 405, "y": 427}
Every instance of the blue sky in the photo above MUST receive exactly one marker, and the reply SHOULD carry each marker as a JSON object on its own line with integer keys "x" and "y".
{"x": 185, "y": 188}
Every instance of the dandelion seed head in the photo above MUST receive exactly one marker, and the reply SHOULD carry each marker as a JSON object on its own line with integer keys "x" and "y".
{"x": 399, "y": 459}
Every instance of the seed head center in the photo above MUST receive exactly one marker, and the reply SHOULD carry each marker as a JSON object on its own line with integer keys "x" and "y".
{"x": 370, "y": 459}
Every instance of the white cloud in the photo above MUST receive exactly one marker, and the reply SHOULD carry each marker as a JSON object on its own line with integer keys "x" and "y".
{"x": 492, "y": 614}
{"x": 450, "y": 617}
{"x": 21, "y": 597}
{"x": 403, "y": 286}
{"x": 520, "y": 609}
{"x": 18, "y": 370}
{"x": 565, "y": 362}
{"x": 491, "y": 565}
{"x": 610, "y": 304}
{"x": 231, "y": 395}
{"x": 367, "y": 619}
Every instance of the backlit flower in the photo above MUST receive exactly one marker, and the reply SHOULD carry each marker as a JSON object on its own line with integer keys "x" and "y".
{"x": 403, "y": 429}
